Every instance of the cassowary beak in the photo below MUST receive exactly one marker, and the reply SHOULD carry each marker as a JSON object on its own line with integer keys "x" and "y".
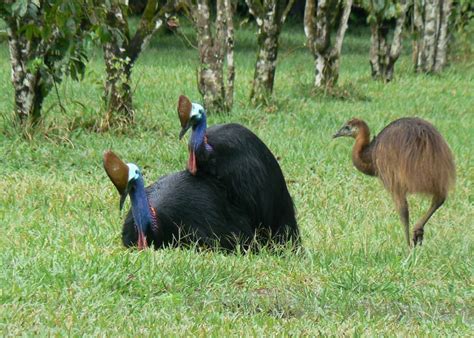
{"x": 123, "y": 197}
{"x": 184, "y": 130}
{"x": 344, "y": 131}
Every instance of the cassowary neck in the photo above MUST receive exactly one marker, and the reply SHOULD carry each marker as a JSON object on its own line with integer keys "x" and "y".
{"x": 140, "y": 206}
{"x": 199, "y": 133}
{"x": 362, "y": 152}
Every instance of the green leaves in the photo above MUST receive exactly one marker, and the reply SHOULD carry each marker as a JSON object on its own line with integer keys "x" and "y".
{"x": 379, "y": 10}
{"x": 52, "y": 37}
{"x": 20, "y": 8}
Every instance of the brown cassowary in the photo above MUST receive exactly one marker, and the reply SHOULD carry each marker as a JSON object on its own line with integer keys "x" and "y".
{"x": 178, "y": 209}
{"x": 409, "y": 156}
{"x": 246, "y": 167}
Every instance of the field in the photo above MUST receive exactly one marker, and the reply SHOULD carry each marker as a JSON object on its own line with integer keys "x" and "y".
{"x": 65, "y": 272}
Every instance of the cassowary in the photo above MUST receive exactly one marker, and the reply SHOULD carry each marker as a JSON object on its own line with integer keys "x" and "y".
{"x": 177, "y": 209}
{"x": 246, "y": 167}
{"x": 409, "y": 156}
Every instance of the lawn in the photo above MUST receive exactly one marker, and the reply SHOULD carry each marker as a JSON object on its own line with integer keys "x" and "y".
{"x": 65, "y": 272}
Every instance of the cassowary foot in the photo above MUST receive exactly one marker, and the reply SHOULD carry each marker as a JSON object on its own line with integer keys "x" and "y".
{"x": 418, "y": 236}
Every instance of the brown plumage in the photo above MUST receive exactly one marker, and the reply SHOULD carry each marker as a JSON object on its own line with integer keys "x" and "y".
{"x": 409, "y": 156}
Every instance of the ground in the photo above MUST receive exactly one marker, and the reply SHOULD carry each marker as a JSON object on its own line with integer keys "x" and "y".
{"x": 64, "y": 270}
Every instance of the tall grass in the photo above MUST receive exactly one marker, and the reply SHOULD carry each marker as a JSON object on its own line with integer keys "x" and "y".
{"x": 64, "y": 270}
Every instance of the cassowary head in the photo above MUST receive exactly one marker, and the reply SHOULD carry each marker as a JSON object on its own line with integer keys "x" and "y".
{"x": 128, "y": 181}
{"x": 352, "y": 128}
{"x": 190, "y": 115}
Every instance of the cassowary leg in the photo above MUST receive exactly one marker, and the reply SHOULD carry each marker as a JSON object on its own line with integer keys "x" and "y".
{"x": 402, "y": 207}
{"x": 418, "y": 230}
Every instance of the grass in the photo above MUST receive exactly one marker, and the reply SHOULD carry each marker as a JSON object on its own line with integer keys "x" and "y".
{"x": 64, "y": 271}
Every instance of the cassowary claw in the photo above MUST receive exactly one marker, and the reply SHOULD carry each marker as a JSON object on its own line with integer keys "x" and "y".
{"x": 418, "y": 237}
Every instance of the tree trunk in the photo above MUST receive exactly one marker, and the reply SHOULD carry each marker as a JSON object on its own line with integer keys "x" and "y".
{"x": 118, "y": 94}
{"x": 118, "y": 66}
{"x": 270, "y": 17}
{"x": 382, "y": 55}
{"x": 27, "y": 82}
{"x": 42, "y": 50}
{"x": 265, "y": 67}
{"x": 211, "y": 82}
{"x": 214, "y": 50}
{"x": 318, "y": 26}
{"x": 430, "y": 25}
{"x": 229, "y": 42}
{"x": 429, "y": 37}
{"x": 378, "y": 49}
{"x": 442, "y": 44}
{"x": 120, "y": 55}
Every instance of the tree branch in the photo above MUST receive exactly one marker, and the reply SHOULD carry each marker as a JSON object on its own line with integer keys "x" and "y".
{"x": 287, "y": 10}
{"x": 309, "y": 24}
{"x": 255, "y": 8}
{"x": 396, "y": 46}
{"x": 341, "y": 31}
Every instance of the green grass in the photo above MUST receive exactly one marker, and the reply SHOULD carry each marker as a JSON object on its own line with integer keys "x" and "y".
{"x": 64, "y": 270}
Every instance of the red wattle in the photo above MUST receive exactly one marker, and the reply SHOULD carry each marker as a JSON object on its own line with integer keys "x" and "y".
{"x": 142, "y": 244}
{"x": 192, "y": 167}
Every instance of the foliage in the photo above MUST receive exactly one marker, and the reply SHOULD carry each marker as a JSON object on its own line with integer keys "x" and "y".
{"x": 462, "y": 23}
{"x": 56, "y": 30}
{"x": 379, "y": 10}
{"x": 121, "y": 48}
{"x": 65, "y": 273}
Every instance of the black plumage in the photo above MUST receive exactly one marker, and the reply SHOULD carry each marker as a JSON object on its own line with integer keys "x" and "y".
{"x": 252, "y": 178}
{"x": 191, "y": 210}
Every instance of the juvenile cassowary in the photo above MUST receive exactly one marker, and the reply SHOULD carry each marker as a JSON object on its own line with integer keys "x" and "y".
{"x": 177, "y": 209}
{"x": 409, "y": 156}
{"x": 246, "y": 167}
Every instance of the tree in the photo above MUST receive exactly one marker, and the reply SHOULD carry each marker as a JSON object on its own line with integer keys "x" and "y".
{"x": 320, "y": 18}
{"x": 121, "y": 51}
{"x": 383, "y": 54}
{"x": 462, "y": 27}
{"x": 46, "y": 41}
{"x": 270, "y": 16}
{"x": 216, "y": 48}
{"x": 430, "y": 25}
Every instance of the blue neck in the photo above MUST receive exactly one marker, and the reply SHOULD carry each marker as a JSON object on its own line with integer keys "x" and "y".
{"x": 198, "y": 134}
{"x": 140, "y": 207}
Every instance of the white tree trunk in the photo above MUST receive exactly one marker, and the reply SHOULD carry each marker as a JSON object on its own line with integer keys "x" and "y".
{"x": 120, "y": 55}
{"x": 382, "y": 55}
{"x": 442, "y": 45}
{"x": 29, "y": 92}
{"x": 429, "y": 36}
{"x": 214, "y": 50}
{"x": 430, "y": 24}
{"x": 229, "y": 46}
{"x": 270, "y": 16}
{"x": 318, "y": 27}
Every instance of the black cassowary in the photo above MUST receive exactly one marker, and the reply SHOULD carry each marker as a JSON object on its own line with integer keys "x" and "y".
{"x": 246, "y": 167}
{"x": 177, "y": 209}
